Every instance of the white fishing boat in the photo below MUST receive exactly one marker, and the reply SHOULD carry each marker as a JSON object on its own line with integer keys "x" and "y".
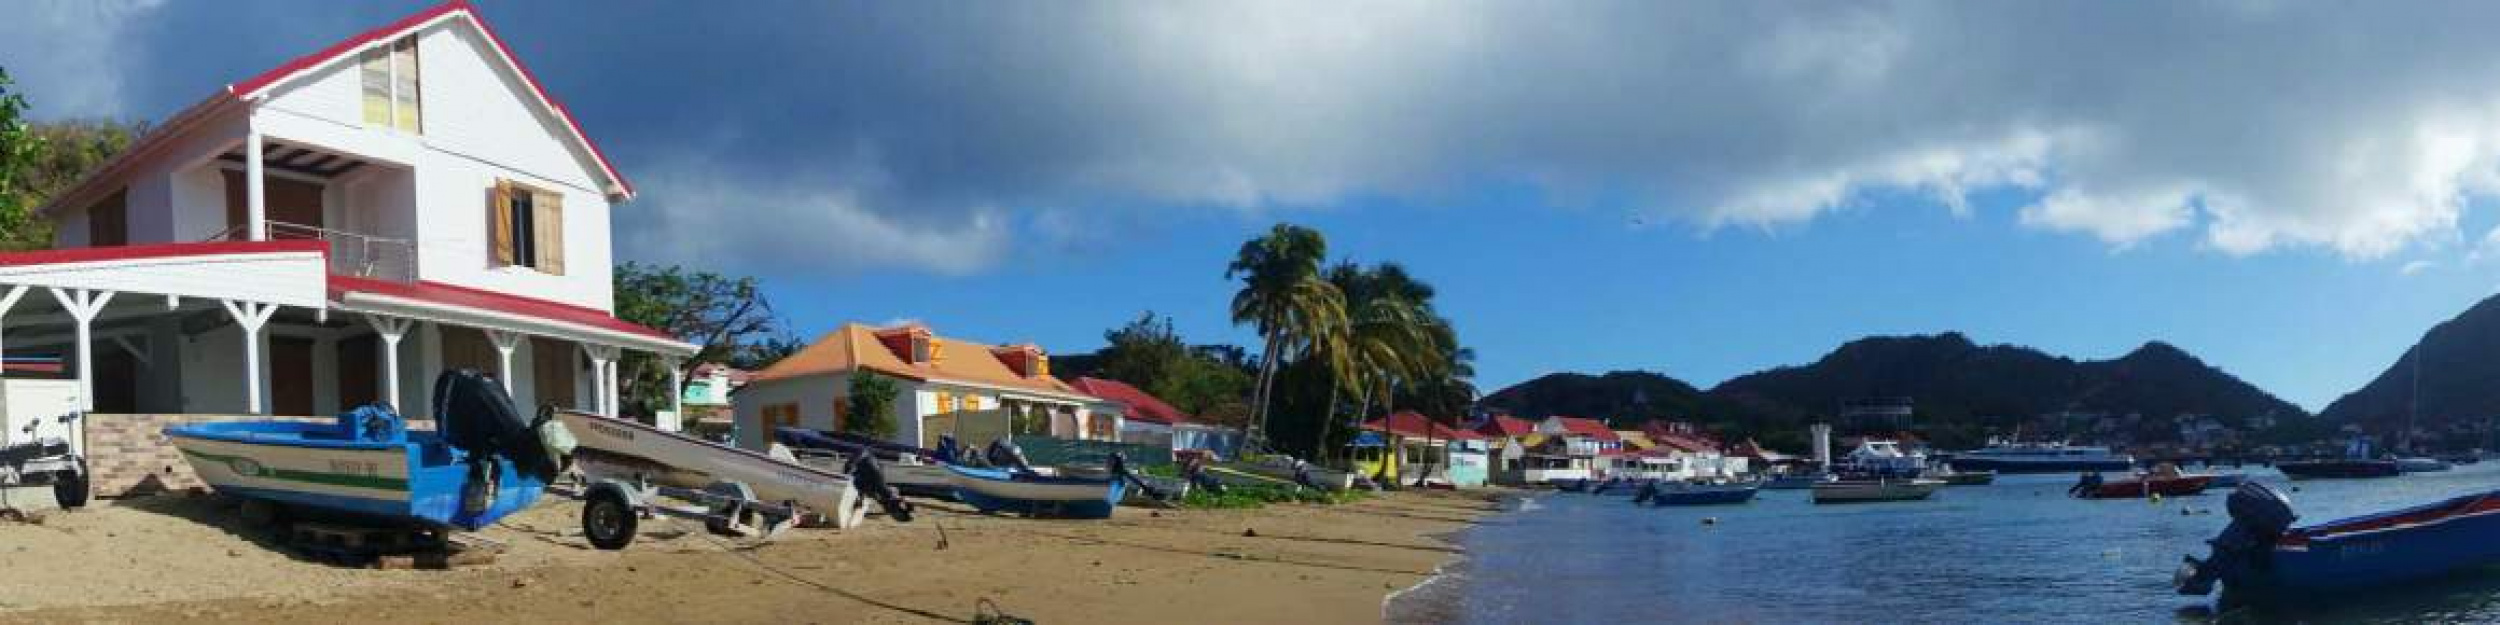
{"x": 630, "y": 452}
{"x": 912, "y": 470}
{"x": 1881, "y": 458}
{"x": 1005, "y": 490}
{"x": 1861, "y": 491}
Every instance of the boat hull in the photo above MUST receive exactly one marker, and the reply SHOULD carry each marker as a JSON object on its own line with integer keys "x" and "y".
{"x": 1869, "y": 492}
{"x": 1703, "y": 496}
{"x": 2368, "y": 553}
{"x": 419, "y": 482}
{"x": 2338, "y": 469}
{"x": 2014, "y": 466}
{"x": 626, "y": 450}
{"x": 2147, "y": 487}
{"x": 1795, "y": 482}
{"x": 995, "y": 490}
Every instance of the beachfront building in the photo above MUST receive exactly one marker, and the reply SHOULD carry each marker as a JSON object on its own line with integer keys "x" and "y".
{"x": 705, "y": 398}
{"x": 1578, "y": 444}
{"x": 1145, "y": 418}
{"x": 330, "y": 233}
{"x": 974, "y": 391}
{"x": 1510, "y": 441}
{"x": 1406, "y": 444}
{"x": 1695, "y": 453}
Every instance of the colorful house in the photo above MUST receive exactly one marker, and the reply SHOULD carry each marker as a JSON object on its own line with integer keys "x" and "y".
{"x": 1148, "y": 419}
{"x": 329, "y": 233}
{"x": 1573, "y": 447}
{"x": 976, "y": 392}
{"x": 1407, "y": 444}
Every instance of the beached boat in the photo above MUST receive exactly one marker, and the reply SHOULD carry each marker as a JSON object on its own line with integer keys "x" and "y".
{"x": 1003, "y": 490}
{"x": 484, "y": 463}
{"x": 1689, "y": 494}
{"x": 2007, "y": 456}
{"x": 913, "y": 470}
{"x": 1287, "y": 468}
{"x": 1862, "y": 491}
{"x": 2261, "y": 558}
{"x": 1796, "y": 481}
{"x": 2140, "y": 486}
{"x": 630, "y": 452}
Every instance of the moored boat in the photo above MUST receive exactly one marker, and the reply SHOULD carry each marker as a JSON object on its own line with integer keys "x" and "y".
{"x": 2140, "y": 486}
{"x": 2261, "y": 558}
{"x": 1796, "y": 481}
{"x": 1952, "y": 477}
{"x": 2227, "y": 481}
{"x": 1664, "y": 494}
{"x": 2421, "y": 465}
{"x": 1862, "y": 491}
{"x": 1005, "y": 490}
{"x": 2007, "y": 457}
{"x": 485, "y": 462}
{"x": 2338, "y": 469}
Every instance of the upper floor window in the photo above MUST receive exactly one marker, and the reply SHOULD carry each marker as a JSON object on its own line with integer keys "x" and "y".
{"x": 390, "y": 85}
{"x": 526, "y": 227}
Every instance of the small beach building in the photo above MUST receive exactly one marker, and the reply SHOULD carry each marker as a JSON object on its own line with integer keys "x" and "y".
{"x": 1409, "y": 443}
{"x": 1145, "y": 418}
{"x": 1696, "y": 452}
{"x": 333, "y": 232}
{"x": 1578, "y": 443}
{"x": 976, "y": 392}
{"x": 1508, "y": 440}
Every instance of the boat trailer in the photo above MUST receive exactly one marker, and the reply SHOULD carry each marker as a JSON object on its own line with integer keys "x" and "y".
{"x": 41, "y": 462}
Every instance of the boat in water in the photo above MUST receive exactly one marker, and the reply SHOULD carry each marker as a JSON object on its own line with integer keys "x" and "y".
{"x": 2355, "y": 464}
{"x": 2227, "y": 481}
{"x": 484, "y": 462}
{"x": 1881, "y": 459}
{"x": 1796, "y": 481}
{"x": 2171, "y": 484}
{"x": 2008, "y": 457}
{"x": 2421, "y": 465}
{"x": 1946, "y": 473}
{"x": 1674, "y": 493}
{"x": 1865, "y": 491}
{"x": 2261, "y": 558}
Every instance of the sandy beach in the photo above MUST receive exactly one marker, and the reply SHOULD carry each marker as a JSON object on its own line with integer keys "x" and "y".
{"x": 181, "y": 558}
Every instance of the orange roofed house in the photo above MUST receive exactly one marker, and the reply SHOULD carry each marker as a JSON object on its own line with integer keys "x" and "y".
{"x": 975, "y": 391}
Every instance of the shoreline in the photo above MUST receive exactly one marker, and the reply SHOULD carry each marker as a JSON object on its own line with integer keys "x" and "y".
{"x": 182, "y": 557}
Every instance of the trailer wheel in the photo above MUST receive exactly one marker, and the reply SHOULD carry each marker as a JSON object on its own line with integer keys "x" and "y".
{"x": 730, "y": 511}
{"x": 608, "y": 520}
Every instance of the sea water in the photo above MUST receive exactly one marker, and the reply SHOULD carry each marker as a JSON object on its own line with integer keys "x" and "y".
{"x": 2018, "y": 551}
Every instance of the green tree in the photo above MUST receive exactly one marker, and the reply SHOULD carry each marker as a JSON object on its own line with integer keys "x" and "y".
{"x": 38, "y": 161}
{"x": 1284, "y": 298}
{"x": 1146, "y": 352}
{"x": 872, "y": 405}
{"x": 721, "y": 315}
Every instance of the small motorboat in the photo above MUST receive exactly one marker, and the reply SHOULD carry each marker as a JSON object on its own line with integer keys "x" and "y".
{"x": 1011, "y": 490}
{"x": 1864, "y": 491}
{"x": 1951, "y": 477}
{"x": 2227, "y": 481}
{"x": 2140, "y": 486}
{"x": 1295, "y": 470}
{"x": 2421, "y": 465}
{"x": 913, "y": 470}
{"x": 1667, "y": 493}
{"x": 1573, "y": 486}
{"x": 486, "y": 461}
{"x": 629, "y": 452}
{"x": 2261, "y": 558}
{"x": 1796, "y": 481}
{"x": 2336, "y": 469}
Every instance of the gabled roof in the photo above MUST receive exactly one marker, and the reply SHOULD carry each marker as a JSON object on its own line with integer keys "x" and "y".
{"x": 1412, "y": 424}
{"x": 1506, "y": 426}
{"x": 1142, "y": 406}
{"x": 855, "y": 346}
{"x": 1591, "y": 428}
{"x": 258, "y": 86}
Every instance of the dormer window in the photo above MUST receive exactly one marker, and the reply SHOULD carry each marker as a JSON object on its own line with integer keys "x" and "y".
{"x": 390, "y": 85}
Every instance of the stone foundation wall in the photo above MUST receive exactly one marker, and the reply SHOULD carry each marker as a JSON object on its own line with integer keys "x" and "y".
{"x": 128, "y": 454}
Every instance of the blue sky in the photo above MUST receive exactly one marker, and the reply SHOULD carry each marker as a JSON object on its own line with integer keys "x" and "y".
{"x": 1698, "y": 189}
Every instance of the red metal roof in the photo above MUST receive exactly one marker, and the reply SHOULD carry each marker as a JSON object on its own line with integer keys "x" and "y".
{"x": 440, "y": 293}
{"x": 1143, "y": 406}
{"x": 254, "y": 85}
{"x": 158, "y": 250}
{"x": 1415, "y": 425}
{"x": 1506, "y": 426}
{"x": 1591, "y": 428}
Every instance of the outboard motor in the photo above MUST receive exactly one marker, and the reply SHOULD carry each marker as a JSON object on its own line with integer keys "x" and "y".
{"x": 948, "y": 450}
{"x": 1194, "y": 469}
{"x": 1004, "y": 454}
{"x": 2259, "y": 516}
{"x": 1648, "y": 491}
{"x": 869, "y": 478}
{"x": 2084, "y": 485}
{"x": 1119, "y": 471}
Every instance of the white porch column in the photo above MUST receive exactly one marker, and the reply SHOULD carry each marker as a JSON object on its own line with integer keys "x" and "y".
{"x": 603, "y": 382}
{"x": 251, "y": 317}
{"x": 83, "y": 305}
{"x": 676, "y": 396}
{"x": 392, "y": 330}
{"x": 255, "y": 205}
{"x": 505, "y": 342}
{"x": 7, "y": 302}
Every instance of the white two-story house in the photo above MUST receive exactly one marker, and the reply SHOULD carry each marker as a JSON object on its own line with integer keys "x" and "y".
{"x": 333, "y": 232}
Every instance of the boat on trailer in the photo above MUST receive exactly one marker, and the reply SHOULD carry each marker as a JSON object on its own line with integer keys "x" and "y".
{"x": 630, "y": 466}
{"x": 911, "y": 469}
{"x": 2261, "y": 558}
{"x": 1032, "y": 494}
{"x": 483, "y": 463}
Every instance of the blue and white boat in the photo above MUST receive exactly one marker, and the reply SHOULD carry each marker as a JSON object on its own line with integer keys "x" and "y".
{"x": 2009, "y": 457}
{"x": 483, "y": 464}
{"x": 2261, "y": 558}
{"x": 1005, "y": 490}
{"x": 1797, "y": 481}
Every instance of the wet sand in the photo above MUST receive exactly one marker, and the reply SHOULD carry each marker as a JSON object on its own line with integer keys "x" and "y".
{"x": 184, "y": 558}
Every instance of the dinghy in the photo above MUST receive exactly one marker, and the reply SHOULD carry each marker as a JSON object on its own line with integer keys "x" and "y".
{"x": 1008, "y": 490}
{"x": 2261, "y": 558}
{"x": 483, "y": 463}
{"x": 914, "y": 470}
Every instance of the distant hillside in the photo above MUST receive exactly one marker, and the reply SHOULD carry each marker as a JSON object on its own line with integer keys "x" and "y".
{"x": 1960, "y": 388}
{"x": 2460, "y": 377}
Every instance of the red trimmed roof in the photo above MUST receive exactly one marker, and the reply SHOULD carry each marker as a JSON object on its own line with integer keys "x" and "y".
{"x": 256, "y": 84}
{"x": 440, "y": 293}
{"x": 1413, "y": 424}
{"x": 1506, "y": 426}
{"x": 158, "y": 250}
{"x": 1591, "y": 428}
{"x": 1143, "y": 406}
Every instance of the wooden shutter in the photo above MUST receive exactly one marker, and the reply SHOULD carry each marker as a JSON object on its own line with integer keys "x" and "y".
{"x": 499, "y": 223}
{"x": 547, "y": 231}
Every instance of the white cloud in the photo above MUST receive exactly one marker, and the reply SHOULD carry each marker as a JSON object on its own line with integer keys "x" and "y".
{"x": 720, "y": 217}
{"x": 2413, "y": 268}
{"x": 60, "y": 53}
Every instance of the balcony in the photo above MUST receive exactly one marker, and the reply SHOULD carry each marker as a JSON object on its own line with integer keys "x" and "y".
{"x": 351, "y": 253}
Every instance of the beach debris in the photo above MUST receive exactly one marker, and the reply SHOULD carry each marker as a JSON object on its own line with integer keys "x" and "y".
{"x": 987, "y": 612}
{"x": 1249, "y": 533}
{"x": 522, "y": 582}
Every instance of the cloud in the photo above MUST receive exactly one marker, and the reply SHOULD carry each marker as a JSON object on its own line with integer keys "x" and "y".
{"x": 54, "y": 47}
{"x": 894, "y": 134}
{"x": 2412, "y": 268}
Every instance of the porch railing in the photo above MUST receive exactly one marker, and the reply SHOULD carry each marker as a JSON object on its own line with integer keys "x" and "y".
{"x": 351, "y": 253}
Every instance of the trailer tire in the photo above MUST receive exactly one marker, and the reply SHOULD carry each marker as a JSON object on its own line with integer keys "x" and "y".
{"x": 608, "y": 519}
{"x": 731, "y": 514}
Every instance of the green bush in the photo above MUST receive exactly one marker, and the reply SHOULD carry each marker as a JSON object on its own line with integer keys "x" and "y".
{"x": 1256, "y": 496}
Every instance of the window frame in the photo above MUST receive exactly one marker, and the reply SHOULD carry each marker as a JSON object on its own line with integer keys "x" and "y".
{"x": 390, "y": 55}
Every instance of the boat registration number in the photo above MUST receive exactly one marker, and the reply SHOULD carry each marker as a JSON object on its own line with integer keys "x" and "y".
{"x": 2362, "y": 549}
{"x": 355, "y": 467}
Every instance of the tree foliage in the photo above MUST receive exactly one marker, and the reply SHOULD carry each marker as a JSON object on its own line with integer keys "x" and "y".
{"x": 872, "y": 405}
{"x": 1149, "y": 354}
{"x": 1284, "y": 298}
{"x": 723, "y": 316}
{"x": 38, "y": 161}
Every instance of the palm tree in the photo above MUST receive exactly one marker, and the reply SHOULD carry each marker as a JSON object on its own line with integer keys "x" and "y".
{"x": 1285, "y": 300}
{"x": 1384, "y": 338}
